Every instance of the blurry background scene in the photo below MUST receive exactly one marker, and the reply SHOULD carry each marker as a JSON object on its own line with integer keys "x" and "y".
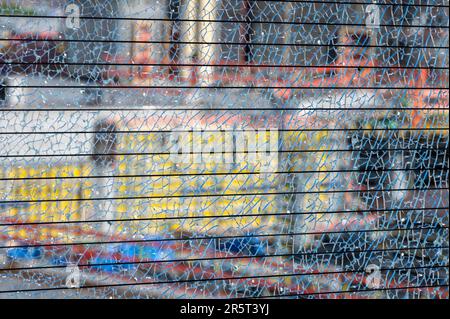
{"x": 352, "y": 203}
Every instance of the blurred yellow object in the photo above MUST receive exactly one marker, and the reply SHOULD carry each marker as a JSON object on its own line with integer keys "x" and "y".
{"x": 51, "y": 185}
{"x": 162, "y": 194}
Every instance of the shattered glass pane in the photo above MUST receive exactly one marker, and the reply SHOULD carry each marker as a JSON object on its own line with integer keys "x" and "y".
{"x": 225, "y": 149}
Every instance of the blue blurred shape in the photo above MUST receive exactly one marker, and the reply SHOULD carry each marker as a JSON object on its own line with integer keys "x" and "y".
{"x": 25, "y": 253}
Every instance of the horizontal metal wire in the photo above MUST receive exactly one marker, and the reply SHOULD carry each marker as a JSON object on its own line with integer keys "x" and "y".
{"x": 228, "y": 109}
{"x": 198, "y": 87}
{"x": 231, "y": 65}
{"x": 107, "y": 131}
{"x": 413, "y": 169}
{"x": 224, "y": 43}
{"x": 252, "y": 21}
{"x": 233, "y": 257}
{"x": 93, "y": 221}
{"x": 322, "y": 233}
{"x": 203, "y": 195}
{"x": 235, "y": 152}
{"x": 220, "y": 279}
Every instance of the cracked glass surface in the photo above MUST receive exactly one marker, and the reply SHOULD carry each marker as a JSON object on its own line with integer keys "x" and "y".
{"x": 126, "y": 162}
